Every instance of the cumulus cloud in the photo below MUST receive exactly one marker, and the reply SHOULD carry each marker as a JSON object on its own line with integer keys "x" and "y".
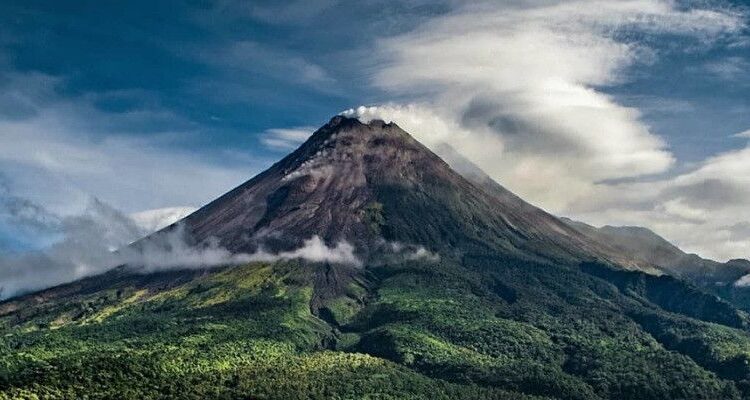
{"x": 286, "y": 138}
{"x": 314, "y": 249}
{"x": 410, "y": 252}
{"x": 743, "y": 134}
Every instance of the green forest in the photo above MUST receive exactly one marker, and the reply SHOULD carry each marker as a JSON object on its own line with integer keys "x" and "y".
{"x": 483, "y": 328}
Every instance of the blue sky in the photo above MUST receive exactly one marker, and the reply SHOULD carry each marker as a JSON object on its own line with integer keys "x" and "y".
{"x": 611, "y": 112}
{"x": 228, "y": 68}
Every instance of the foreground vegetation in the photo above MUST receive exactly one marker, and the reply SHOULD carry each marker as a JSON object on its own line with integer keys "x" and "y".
{"x": 487, "y": 328}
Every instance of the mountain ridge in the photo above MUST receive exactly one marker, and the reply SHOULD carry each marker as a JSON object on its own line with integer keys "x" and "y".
{"x": 649, "y": 247}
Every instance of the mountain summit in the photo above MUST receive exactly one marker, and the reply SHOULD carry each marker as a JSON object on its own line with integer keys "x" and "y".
{"x": 460, "y": 290}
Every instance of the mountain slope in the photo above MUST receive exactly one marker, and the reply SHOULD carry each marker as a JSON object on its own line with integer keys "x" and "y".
{"x": 335, "y": 183}
{"x": 459, "y": 292}
{"x": 635, "y": 247}
{"x": 648, "y": 247}
{"x": 603, "y": 245}
{"x": 643, "y": 244}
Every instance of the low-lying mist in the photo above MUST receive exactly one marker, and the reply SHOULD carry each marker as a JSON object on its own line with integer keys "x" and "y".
{"x": 172, "y": 250}
{"x": 100, "y": 239}
{"x": 66, "y": 248}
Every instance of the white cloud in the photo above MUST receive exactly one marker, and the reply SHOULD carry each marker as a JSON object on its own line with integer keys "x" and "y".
{"x": 532, "y": 167}
{"x": 286, "y": 138}
{"x": 84, "y": 248}
{"x": 702, "y": 210}
{"x": 677, "y": 208}
{"x": 743, "y": 282}
{"x": 743, "y": 134}
{"x": 429, "y": 127}
{"x": 314, "y": 249}
{"x": 153, "y": 220}
{"x": 522, "y": 81}
{"x": 246, "y": 59}
{"x": 409, "y": 252}
{"x": 55, "y": 153}
{"x": 100, "y": 239}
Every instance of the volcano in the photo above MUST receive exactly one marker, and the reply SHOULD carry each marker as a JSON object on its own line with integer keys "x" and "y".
{"x": 455, "y": 288}
{"x": 367, "y": 182}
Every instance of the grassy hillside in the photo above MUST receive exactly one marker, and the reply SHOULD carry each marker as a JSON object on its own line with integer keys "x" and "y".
{"x": 481, "y": 328}
{"x": 244, "y": 332}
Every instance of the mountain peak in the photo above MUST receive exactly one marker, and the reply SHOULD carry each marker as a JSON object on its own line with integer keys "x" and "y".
{"x": 339, "y": 120}
{"x": 373, "y": 127}
{"x": 348, "y": 138}
{"x": 343, "y": 122}
{"x": 327, "y": 188}
{"x": 371, "y": 182}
